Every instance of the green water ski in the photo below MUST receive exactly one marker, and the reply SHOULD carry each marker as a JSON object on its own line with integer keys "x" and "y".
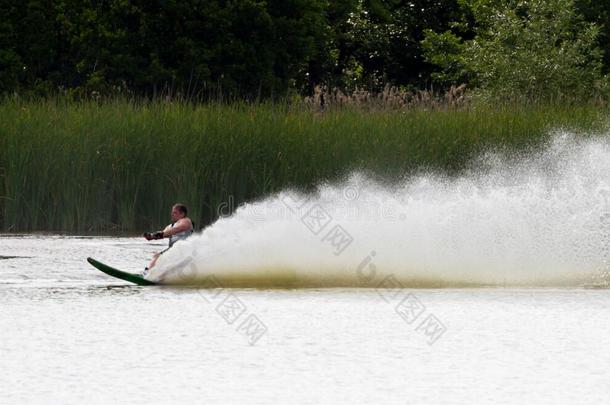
{"x": 123, "y": 275}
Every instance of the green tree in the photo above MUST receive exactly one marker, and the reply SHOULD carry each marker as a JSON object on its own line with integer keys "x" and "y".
{"x": 380, "y": 41}
{"x": 598, "y": 12}
{"x": 11, "y": 65}
{"x": 535, "y": 49}
{"x": 28, "y": 45}
{"x": 244, "y": 47}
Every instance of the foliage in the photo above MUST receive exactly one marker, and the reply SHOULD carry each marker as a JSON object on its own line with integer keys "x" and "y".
{"x": 598, "y": 12}
{"x": 523, "y": 49}
{"x": 245, "y": 47}
{"x": 249, "y": 48}
{"x": 273, "y": 48}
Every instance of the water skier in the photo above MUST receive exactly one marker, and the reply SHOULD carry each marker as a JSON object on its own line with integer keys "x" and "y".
{"x": 180, "y": 229}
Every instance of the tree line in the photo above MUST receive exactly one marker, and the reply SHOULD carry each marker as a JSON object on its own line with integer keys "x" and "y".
{"x": 278, "y": 48}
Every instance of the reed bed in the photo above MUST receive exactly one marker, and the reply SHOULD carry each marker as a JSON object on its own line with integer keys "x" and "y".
{"x": 117, "y": 165}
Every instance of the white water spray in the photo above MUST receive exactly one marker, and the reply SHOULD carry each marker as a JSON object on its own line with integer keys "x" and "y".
{"x": 540, "y": 220}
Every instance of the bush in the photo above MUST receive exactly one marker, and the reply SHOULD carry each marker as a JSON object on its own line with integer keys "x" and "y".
{"x": 524, "y": 51}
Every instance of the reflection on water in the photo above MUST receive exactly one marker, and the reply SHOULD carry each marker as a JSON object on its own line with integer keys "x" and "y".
{"x": 72, "y": 334}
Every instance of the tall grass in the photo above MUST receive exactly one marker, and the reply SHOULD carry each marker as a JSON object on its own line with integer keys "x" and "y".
{"x": 118, "y": 165}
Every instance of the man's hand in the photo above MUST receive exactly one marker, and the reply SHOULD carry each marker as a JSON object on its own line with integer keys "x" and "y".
{"x": 151, "y": 236}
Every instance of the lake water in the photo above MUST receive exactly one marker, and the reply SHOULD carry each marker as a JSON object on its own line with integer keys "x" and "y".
{"x": 71, "y": 334}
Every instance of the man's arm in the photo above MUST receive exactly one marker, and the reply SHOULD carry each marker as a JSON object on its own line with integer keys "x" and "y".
{"x": 180, "y": 226}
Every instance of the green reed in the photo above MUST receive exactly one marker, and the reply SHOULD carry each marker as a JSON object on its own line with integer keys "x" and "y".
{"x": 118, "y": 165}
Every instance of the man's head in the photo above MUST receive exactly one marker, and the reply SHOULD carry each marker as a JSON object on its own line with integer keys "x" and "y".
{"x": 178, "y": 212}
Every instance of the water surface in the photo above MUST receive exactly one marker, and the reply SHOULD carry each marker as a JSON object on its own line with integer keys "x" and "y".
{"x": 72, "y": 334}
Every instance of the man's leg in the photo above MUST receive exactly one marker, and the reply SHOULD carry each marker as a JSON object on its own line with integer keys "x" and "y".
{"x": 153, "y": 261}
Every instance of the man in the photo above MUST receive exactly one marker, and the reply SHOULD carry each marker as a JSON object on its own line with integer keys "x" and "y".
{"x": 180, "y": 229}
